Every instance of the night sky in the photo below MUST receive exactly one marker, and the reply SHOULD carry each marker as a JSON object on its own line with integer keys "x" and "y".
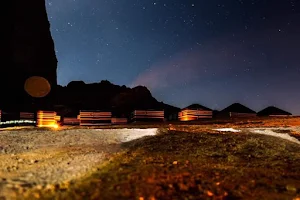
{"x": 211, "y": 52}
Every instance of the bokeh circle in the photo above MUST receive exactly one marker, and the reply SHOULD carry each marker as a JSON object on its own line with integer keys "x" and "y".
{"x": 37, "y": 86}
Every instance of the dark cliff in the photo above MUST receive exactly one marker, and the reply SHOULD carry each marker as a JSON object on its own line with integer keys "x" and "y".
{"x": 28, "y": 52}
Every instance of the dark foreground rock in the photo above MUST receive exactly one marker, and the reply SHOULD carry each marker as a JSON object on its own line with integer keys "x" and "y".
{"x": 29, "y": 51}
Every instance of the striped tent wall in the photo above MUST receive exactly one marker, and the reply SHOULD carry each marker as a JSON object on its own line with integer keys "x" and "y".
{"x": 27, "y": 116}
{"x": 279, "y": 115}
{"x": 192, "y": 115}
{"x": 94, "y": 118}
{"x": 8, "y": 119}
{"x": 148, "y": 115}
{"x": 46, "y": 119}
{"x": 71, "y": 121}
{"x": 241, "y": 115}
{"x": 57, "y": 118}
{"x": 116, "y": 121}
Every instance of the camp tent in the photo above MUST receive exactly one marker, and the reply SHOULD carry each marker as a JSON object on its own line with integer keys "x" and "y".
{"x": 195, "y": 112}
{"x": 272, "y": 111}
{"x": 237, "y": 110}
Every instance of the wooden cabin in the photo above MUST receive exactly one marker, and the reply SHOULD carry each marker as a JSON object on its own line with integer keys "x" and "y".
{"x": 237, "y": 110}
{"x": 195, "y": 112}
{"x": 148, "y": 115}
{"x": 94, "y": 118}
{"x": 272, "y": 111}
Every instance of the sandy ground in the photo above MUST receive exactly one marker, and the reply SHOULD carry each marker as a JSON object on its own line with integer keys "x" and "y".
{"x": 35, "y": 158}
{"x": 42, "y": 158}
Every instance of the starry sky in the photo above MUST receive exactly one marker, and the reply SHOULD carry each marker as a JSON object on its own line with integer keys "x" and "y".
{"x": 214, "y": 52}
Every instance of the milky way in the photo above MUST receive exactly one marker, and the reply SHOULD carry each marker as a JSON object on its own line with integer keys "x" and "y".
{"x": 213, "y": 52}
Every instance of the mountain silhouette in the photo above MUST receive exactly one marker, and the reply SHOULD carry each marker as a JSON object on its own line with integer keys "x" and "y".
{"x": 106, "y": 96}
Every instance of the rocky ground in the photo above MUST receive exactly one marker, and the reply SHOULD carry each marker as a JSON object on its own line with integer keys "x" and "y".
{"x": 223, "y": 164}
{"x": 35, "y": 158}
{"x": 245, "y": 159}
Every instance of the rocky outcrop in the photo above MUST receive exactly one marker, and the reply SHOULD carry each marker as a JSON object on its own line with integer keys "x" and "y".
{"x": 29, "y": 52}
{"x": 29, "y": 55}
{"x": 121, "y": 100}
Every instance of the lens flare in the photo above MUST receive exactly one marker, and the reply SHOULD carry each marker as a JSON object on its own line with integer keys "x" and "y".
{"x": 37, "y": 86}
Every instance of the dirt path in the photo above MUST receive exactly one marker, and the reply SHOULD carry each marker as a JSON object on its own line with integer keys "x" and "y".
{"x": 44, "y": 158}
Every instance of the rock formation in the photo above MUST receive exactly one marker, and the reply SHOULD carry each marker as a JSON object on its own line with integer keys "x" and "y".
{"x": 29, "y": 55}
{"x": 121, "y": 100}
{"x": 29, "y": 52}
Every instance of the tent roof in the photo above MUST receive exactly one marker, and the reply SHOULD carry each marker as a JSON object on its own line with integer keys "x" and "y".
{"x": 196, "y": 107}
{"x": 238, "y": 108}
{"x": 271, "y": 110}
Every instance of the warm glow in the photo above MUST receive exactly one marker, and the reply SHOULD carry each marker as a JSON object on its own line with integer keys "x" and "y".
{"x": 55, "y": 126}
{"x": 57, "y": 118}
{"x": 192, "y": 115}
{"x": 47, "y": 119}
{"x": 186, "y": 119}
